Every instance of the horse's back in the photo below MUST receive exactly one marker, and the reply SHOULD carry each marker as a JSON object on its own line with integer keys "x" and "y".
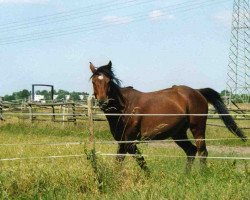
{"x": 177, "y": 99}
{"x": 184, "y": 98}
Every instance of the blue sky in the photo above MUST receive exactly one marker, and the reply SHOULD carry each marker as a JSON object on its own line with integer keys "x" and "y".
{"x": 152, "y": 44}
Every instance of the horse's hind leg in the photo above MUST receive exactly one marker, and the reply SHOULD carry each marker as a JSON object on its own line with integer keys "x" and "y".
{"x": 182, "y": 141}
{"x": 202, "y": 151}
{"x": 198, "y": 132}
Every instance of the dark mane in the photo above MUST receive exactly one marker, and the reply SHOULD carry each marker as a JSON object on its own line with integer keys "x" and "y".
{"x": 107, "y": 70}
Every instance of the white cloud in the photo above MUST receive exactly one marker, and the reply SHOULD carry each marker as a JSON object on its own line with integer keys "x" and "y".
{"x": 23, "y": 1}
{"x": 223, "y": 17}
{"x": 117, "y": 20}
{"x": 159, "y": 14}
{"x": 156, "y": 14}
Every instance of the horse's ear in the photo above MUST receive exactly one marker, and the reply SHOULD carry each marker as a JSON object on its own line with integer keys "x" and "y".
{"x": 92, "y": 67}
{"x": 109, "y": 65}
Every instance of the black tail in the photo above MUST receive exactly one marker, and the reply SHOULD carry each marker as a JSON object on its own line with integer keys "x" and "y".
{"x": 214, "y": 98}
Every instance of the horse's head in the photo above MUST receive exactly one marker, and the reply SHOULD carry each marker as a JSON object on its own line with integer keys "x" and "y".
{"x": 101, "y": 79}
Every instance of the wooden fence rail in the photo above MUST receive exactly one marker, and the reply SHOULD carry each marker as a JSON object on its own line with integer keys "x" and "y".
{"x": 72, "y": 112}
{"x": 54, "y": 108}
{"x": 69, "y": 111}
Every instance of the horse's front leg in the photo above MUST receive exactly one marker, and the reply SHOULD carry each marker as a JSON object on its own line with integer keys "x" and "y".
{"x": 132, "y": 149}
{"x": 121, "y": 151}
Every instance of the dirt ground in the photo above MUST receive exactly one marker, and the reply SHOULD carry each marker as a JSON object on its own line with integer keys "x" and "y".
{"x": 214, "y": 148}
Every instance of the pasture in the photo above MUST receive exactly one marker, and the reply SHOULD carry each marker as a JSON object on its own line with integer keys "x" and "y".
{"x": 54, "y": 146}
{"x": 43, "y": 177}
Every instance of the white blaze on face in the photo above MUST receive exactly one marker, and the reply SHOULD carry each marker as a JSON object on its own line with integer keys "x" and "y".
{"x": 100, "y": 77}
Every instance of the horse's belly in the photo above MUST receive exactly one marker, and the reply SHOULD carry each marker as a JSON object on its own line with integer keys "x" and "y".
{"x": 162, "y": 127}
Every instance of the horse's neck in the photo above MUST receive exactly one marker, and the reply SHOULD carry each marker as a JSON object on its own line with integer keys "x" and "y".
{"x": 120, "y": 103}
{"x": 116, "y": 105}
{"x": 117, "y": 101}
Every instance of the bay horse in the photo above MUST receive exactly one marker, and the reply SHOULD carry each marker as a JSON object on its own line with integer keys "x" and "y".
{"x": 178, "y": 100}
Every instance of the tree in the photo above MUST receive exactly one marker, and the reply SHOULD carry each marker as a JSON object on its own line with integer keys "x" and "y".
{"x": 224, "y": 93}
{"x": 9, "y": 98}
{"x": 61, "y": 94}
{"x": 75, "y": 96}
{"x": 45, "y": 93}
{"x": 24, "y": 94}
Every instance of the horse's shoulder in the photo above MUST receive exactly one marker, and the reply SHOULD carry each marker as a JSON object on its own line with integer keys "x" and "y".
{"x": 129, "y": 88}
{"x": 130, "y": 91}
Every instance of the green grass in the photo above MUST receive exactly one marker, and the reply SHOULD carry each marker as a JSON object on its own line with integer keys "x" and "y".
{"x": 73, "y": 178}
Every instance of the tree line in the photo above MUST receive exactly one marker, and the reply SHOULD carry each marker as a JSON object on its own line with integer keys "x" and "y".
{"x": 237, "y": 98}
{"x": 75, "y": 96}
{"x": 61, "y": 95}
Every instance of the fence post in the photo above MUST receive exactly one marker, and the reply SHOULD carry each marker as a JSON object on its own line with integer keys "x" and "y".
{"x": 53, "y": 118}
{"x": 1, "y": 109}
{"x": 67, "y": 110}
{"x": 91, "y": 154}
{"x": 63, "y": 112}
{"x": 74, "y": 113}
{"x": 31, "y": 113}
{"x": 90, "y": 122}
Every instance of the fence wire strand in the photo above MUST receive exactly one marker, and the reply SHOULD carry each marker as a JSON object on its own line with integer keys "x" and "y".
{"x": 42, "y": 157}
{"x": 113, "y": 154}
{"x": 126, "y": 114}
{"x": 115, "y": 142}
{"x": 167, "y": 156}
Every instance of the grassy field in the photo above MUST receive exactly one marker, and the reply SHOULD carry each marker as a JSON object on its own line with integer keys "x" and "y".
{"x": 73, "y": 178}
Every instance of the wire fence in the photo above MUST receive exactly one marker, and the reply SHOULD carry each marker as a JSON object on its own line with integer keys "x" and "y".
{"x": 168, "y": 156}
{"x": 43, "y": 144}
{"x": 42, "y": 157}
{"x": 90, "y": 115}
{"x": 46, "y": 114}
{"x": 111, "y": 154}
{"x": 170, "y": 114}
{"x": 116, "y": 142}
{"x": 115, "y": 154}
{"x": 129, "y": 155}
{"x": 128, "y": 114}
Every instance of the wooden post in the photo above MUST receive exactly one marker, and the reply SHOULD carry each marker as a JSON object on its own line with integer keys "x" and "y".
{"x": 1, "y": 109}
{"x": 67, "y": 112}
{"x": 91, "y": 154}
{"x": 53, "y": 115}
{"x": 31, "y": 113}
{"x": 74, "y": 113}
{"x": 90, "y": 123}
{"x": 63, "y": 112}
